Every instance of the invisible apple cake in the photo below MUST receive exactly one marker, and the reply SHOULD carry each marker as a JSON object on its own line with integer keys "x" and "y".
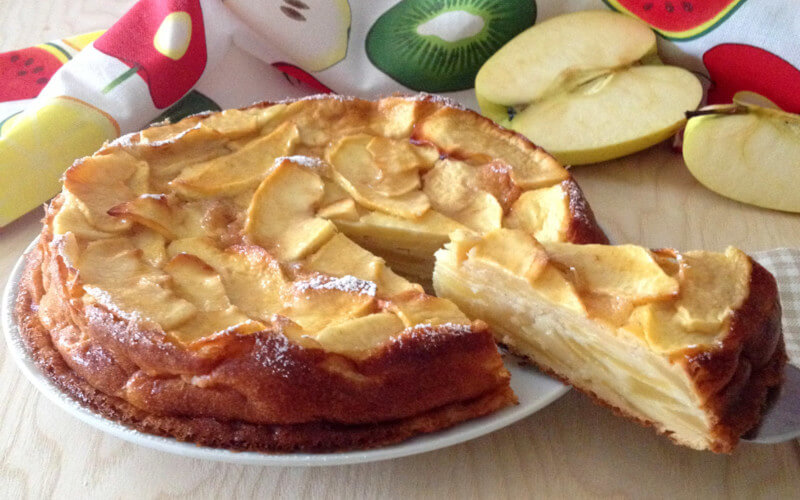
{"x": 213, "y": 280}
{"x": 687, "y": 342}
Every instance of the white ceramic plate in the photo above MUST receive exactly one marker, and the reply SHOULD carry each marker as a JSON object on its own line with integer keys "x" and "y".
{"x": 535, "y": 391}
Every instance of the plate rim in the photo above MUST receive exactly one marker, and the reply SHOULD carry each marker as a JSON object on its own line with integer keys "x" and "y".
{"x": 460, "y": 433}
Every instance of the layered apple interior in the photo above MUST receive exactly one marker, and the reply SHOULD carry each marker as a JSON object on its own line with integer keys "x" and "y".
{"x": 618, "y": 322}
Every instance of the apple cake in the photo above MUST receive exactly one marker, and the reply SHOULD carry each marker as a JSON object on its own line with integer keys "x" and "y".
{"x": 689, "y": 343}
{"x": 230, "y": 280}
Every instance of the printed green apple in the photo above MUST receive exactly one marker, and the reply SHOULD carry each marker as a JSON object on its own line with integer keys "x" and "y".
{"x": 587, "y": 87}
{"x": 748, "y": 151}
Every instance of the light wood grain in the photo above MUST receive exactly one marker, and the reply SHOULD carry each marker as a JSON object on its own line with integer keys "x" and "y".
{"x": 572, "y": 449}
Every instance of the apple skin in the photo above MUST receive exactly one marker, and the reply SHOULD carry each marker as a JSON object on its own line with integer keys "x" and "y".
{"x": 746, "y": 153}
{"x": 131, "y": 41}
{"x": 734, "y": 67}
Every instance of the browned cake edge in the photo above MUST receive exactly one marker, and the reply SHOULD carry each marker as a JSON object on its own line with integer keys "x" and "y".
{"x": 233, "y": 434}
{"x": 735, "y": 376}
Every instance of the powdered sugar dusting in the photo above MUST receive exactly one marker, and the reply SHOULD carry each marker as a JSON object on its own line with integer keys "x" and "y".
{"x": 174, "y": 138}
{"x": 436, "y": 99}
{"x": 308, "y": 162}
{"x": 123, "y": 141}
{"x": 348, "y": 283}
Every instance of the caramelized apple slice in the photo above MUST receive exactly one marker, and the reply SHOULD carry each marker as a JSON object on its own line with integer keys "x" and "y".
{"x": 483, "y": 214}
{"x": 341, "y": 257}
{"x": 253, "y": 279}
{"x": 357, "y": 336}
{"x": 712, "y": 285}
{"x": 450, "y": 185}
{"x": 152, "y": 211}
{"x": 70, "y": 218}
{"x": 421, "y": 309}
{"x": 281, "y": 215}
{"x": 114, "y": 274}
{"x": 343, "y": 209}
{"x": 625, "y": 271}
{"x": 512, "y": 251}
{"x": 99, "y": 183}
{"x": 318, "y": 301}
{"x": 542, "y": 212}
{"x": 197, "y": 282}
{"x": 351, "y": 158}
{"x": 396, "y": 156}
{"x": 354, "y": 171}
{"x": 237, "y": 123}
{"x": 153, "y": 245}
{"x": 481, "y": 139}
{"x": 236, "y": 172}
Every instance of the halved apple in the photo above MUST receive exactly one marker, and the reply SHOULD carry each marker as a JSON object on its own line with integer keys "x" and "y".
{"x": 746, "y": 151}
{"x": 587, "y": 87}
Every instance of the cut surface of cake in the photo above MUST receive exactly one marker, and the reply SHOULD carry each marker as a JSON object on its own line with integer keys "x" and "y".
{"x": 689, "y": 343}
{"x": 228, "y": 279}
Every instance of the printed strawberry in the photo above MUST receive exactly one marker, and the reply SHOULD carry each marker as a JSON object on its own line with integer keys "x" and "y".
{"x": 25, "y": 72}
{"x": 292, "y": 71}
{"x": 678, "y": 19}
{"x": 164, "y": 42}
{"x": 734, "y": 67}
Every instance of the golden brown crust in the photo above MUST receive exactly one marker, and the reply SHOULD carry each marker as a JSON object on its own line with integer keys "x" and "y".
{"x": 735, "y": 376}
{"x": 583, "y": 228}
{"x": 232, "y": 434}
{"x": 257, "y": 391}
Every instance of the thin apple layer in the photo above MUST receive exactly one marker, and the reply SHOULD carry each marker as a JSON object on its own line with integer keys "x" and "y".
{"x": 614, "y": 331}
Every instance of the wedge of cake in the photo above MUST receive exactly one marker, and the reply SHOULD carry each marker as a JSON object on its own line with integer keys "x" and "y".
{"x": 216, "y": 279}
{"x": 689, "y": 343}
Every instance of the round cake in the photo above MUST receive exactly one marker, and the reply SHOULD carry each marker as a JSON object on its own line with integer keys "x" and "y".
{"x": 241, "y": 279}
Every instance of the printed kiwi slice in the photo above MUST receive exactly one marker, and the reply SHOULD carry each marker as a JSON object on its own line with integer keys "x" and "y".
{"x": 439, "y": 45}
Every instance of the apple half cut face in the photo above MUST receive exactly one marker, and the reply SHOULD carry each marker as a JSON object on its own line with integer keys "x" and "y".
{"x": 587, "y": 87}
{"x": 748, "y": 151}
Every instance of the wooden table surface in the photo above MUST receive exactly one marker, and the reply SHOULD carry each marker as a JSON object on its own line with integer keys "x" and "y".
{"x": 570, "y": 449}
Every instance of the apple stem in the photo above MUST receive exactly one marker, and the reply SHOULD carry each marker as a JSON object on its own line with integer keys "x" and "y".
{"x": 733, "y": 110}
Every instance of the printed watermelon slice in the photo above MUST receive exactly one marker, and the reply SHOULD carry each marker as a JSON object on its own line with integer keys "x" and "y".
{"x": 678, "y": 19}
{"x": 734, "y": 67}
{"x": 25, "y": 72}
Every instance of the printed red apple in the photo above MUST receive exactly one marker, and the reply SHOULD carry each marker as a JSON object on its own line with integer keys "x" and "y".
{"x": 735, "y": 67}
{"x": 164, "y": 42}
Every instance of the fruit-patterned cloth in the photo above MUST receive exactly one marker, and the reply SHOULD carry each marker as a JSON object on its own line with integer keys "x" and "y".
{"x": 784, "y": 263}
{"x": 169, "y": 58}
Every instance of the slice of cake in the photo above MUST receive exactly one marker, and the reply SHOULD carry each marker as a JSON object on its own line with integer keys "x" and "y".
{"x": 689, "y": 343}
